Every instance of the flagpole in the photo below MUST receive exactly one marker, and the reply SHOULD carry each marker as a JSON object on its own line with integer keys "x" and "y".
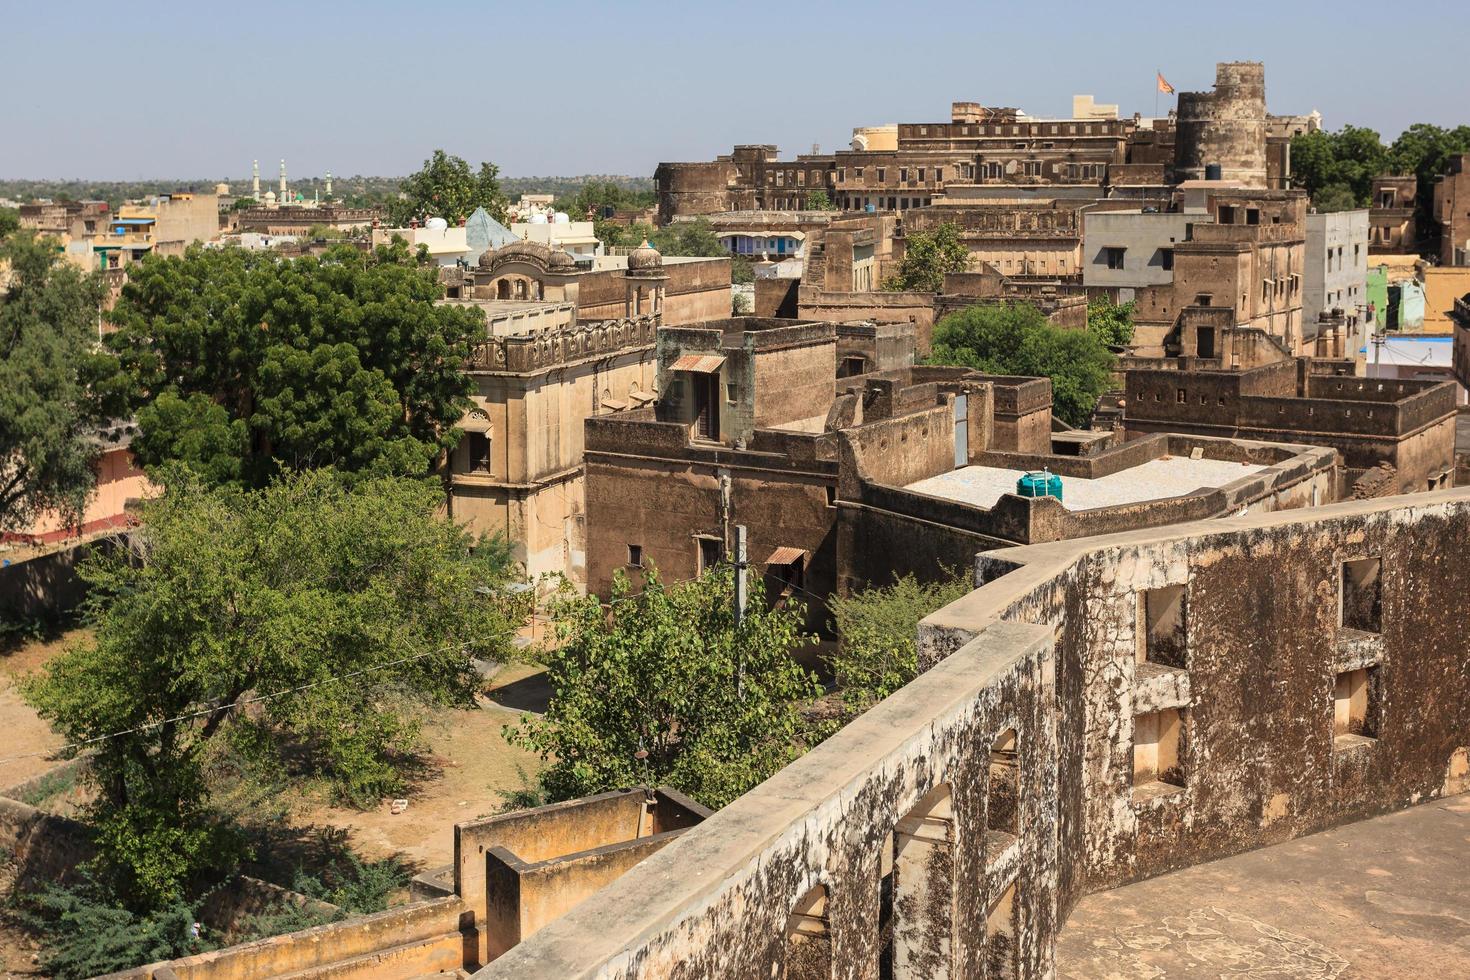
{"x": 1157, "y": 75}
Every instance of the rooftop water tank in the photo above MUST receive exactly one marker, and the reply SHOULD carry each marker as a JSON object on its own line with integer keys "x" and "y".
{"x": 1213, "y": 171}
{"x": 1043, "y": 484}
{"x": 436, "y": 224}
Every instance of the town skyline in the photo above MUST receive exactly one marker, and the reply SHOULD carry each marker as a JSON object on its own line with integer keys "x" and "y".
{"x": 550, "y": 116}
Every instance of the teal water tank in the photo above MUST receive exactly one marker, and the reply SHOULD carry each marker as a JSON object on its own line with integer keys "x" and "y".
{"x": 1043, "y": 484}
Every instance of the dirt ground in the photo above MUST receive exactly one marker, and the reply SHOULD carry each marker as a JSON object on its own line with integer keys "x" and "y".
{"x": 470, "y": 764}
{"x": 25, "y": 733}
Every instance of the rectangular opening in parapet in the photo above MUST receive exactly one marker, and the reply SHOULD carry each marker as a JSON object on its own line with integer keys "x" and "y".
{"x": 808, "y": 940}
{"x": 1354, "y": 706}
{"x": 1163, "y": 615}
{"x": 1003, "y": 809}
{"x": 1362, "y": 595}
{"x": 1158, "y": 739}
{"x": 1001, "y": 954}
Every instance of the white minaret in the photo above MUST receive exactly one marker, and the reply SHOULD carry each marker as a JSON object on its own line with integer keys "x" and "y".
{"x": 255, "y": 180}
{"x": 283, "y": 182}
{"x": 329, "y": 185}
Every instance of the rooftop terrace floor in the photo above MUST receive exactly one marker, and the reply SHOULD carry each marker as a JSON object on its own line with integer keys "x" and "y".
{"x": 1388, "y": 897}
{"x": 1169, "y": 476}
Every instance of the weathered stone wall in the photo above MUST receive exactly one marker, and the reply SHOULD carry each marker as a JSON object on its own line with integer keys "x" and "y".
{"x": 1226, "y": 126}
{"x": 826, "y": 822}
{"x": 646, "y": 486}
{"x": 1259, "y": 758}
{"x": 881, "y": 307}
{"x": 418, "y": 939}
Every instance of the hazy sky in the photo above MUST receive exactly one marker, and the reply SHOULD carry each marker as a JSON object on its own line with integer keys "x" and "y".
{"x": 199, "y": 89}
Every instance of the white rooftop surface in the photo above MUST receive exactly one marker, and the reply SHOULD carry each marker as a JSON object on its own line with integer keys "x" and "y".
{"x": 1169, "y": 476}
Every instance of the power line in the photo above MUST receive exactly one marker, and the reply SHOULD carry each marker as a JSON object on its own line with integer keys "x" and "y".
{"x": 258, "y": 699}
{"x": 242, "y": 702}
{"x": 268, "y": 697}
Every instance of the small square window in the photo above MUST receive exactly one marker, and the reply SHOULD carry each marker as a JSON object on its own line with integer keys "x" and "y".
{"x": 1354, "y": 706}
{"x": 711, "y": 551}
{"x": 1162, "y": 626}
{"x": 1362, "y": 595}
{"x": 731, "y": 392}
{"x": 1158, "y": 740}
{"x": 635, "y": 555}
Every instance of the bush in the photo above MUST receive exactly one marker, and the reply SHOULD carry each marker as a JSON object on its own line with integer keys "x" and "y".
{"x": 85, "y": 935}
{"x": 877, "y": 653}
{"x": 355, "y": 886}
{"x": 1018, "y": 340}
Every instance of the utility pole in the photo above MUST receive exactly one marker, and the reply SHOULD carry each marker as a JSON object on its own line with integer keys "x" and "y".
{"x": 741, "y": 562}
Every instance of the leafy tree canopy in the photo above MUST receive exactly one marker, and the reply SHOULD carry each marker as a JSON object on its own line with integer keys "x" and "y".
{"x": 598, "y": 194}
{"x": 1111, "y": 322}
{"x": 241, "y": 364}
{"x": 305, "y": 625}
{"x": 818, "y": 200}
{"x": 1018, "y": 340}
{"x": 447, "y": 188}
{"x": 927, "y": 256}
{"x": 1337, "y": 169}
{"x": 48, "y": 423}
{"x": 1347, "y": 159}
{"x": 9, "y": 222}
{"x": 715, "y": 706}
{"x": 878, "y": 653}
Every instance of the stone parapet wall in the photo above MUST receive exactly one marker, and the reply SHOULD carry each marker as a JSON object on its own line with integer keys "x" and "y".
{"x": 800, "y": 858}
{"x": 534, "y": 352}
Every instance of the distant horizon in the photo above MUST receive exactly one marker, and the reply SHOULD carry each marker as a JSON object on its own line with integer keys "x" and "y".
{"x": 616, "y": 89}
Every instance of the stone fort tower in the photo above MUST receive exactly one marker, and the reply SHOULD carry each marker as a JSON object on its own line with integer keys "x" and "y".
{"x": 1225, "y": 127}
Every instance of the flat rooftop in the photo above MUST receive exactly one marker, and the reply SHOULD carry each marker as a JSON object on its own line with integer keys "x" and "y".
{"x": 1386, "y": 897}
{"x": 1168, "y": 476}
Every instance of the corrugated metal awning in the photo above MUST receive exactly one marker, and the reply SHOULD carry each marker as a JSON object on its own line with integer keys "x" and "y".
{"x": 786, "y": 556}
{"x": 701, "y": 363}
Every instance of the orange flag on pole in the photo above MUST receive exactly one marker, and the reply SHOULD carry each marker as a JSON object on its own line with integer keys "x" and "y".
{"x": 1164, "y": 86}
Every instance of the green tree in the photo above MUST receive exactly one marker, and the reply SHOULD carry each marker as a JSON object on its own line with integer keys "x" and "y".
{"x": 244, "y": 203}
{"x": 667, "y": 688}
{"x": 85, "y": 934}
{"x": 696, "y": 238}
{"x": 1424, "y": 150}
{"x": 1111, "y": 322}
{"x": 9, "y": 222}
{"x": 1329, "y": 163}
{"x": 598, "y": 194}
{"x": 1335, "y": 197}
{"x": 818, "y": 200}
{"x": 1018, "y": 340}
{"x": 447, "y": 188}
{"x": 48, "y": 423}
{"x": 927, "y": 256}
{"x": 878, "y": 627}
{"x": 241, "y": 364}
{"x": 312, "y": 620}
